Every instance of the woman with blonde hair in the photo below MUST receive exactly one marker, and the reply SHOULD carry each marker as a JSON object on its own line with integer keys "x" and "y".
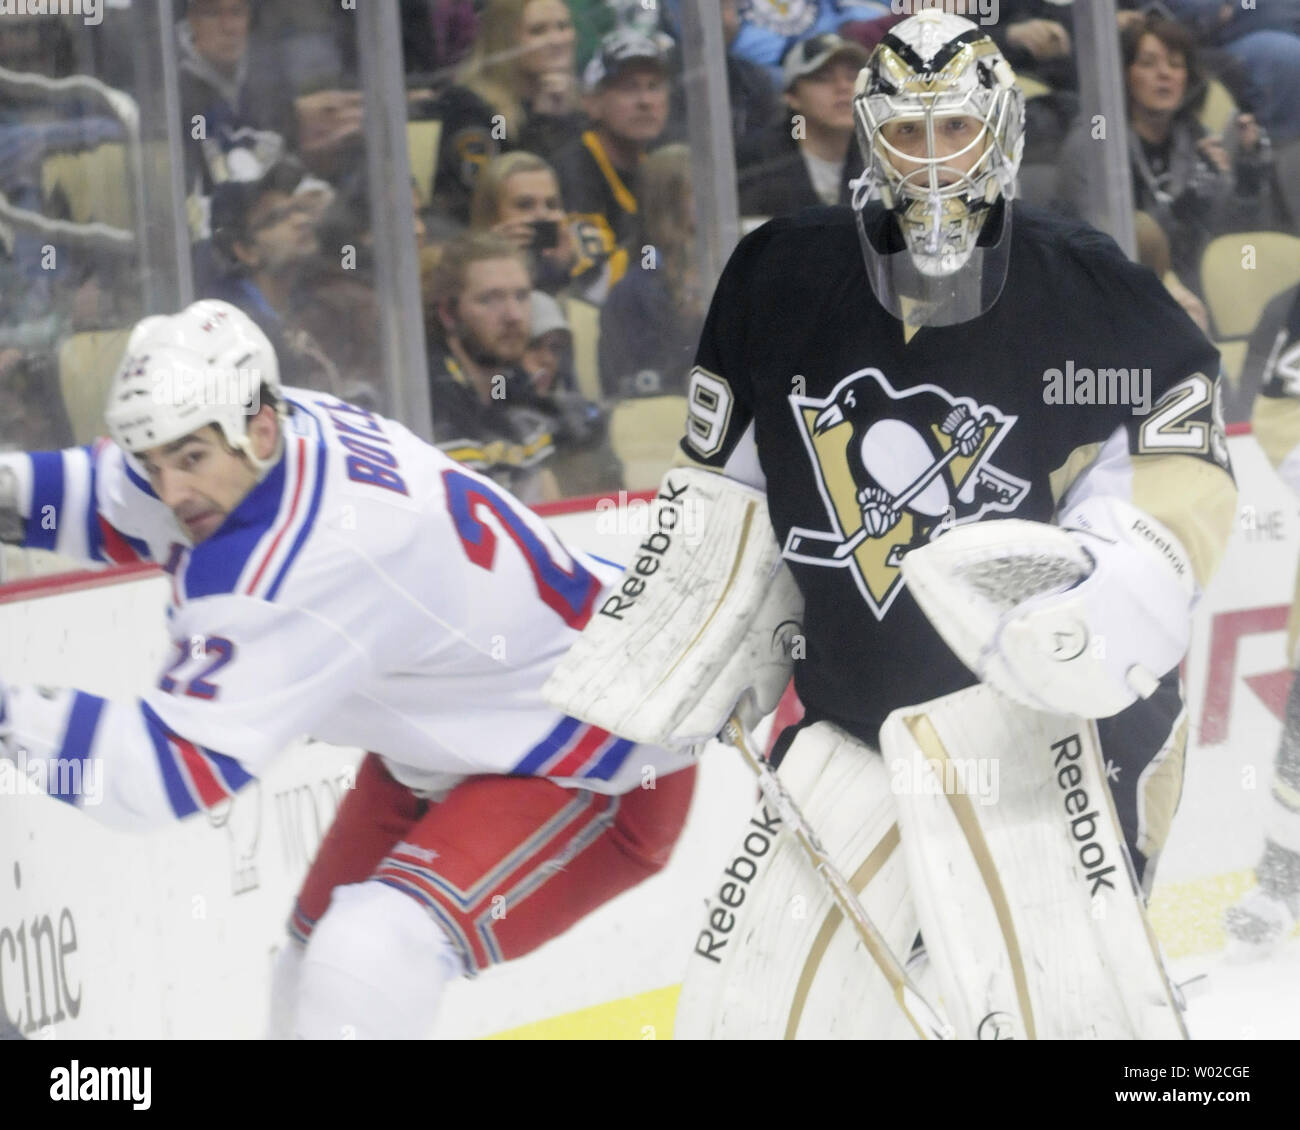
{"x": 523, "y": 65}
{"x": 518, "y": 196}
{"x": 650, "y": 323}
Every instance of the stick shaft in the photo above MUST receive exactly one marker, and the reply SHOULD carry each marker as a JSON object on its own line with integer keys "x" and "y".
{"x": 923, "y": 1017}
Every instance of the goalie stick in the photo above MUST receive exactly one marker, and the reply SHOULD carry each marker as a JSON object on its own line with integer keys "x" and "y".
{"x": 920, "y": 1013}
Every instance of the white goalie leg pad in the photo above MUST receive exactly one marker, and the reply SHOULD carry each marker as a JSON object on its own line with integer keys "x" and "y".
{"x": 1028, "y": 902}
{"x": 694, "y": 624}
{"x": 375, "y": 968}
{"x": 1079, "y": 619}
{"x": 774, "y": 958}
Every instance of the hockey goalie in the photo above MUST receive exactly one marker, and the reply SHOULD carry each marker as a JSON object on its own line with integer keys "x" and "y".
{"x": 983, "y": 590}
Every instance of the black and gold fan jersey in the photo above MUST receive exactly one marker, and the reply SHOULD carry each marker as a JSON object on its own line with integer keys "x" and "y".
{"x": 602, "y": 206}
{"x": 873, "y": 437}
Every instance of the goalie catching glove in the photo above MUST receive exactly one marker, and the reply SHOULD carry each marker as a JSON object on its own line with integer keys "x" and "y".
{"x": 699, "y": 624}
{"x": 1081, "y": 618}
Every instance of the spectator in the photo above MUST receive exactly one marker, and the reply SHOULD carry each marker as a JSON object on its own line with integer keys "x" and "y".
{"x": 1264, "y": 41}
{"x": 266, "y": 244}
{"x": 518, "y": 197}
{"x": 335, "y": 306}
{"x": 548, "y": 358}
{"x": 466, "y": 145}
{"x": 753, "y": 100}
{"x": 1194, "y": 185}
{"x": 651, "y": 322}
{"x": 316, "y": 43}
{"x": 523, "y": 65}
{"x": 627, "y": 102}
{"x": 264, "y": 235}
{"x": 436, "y": 36}
{"x": 236, "y": 113}
{"x": 770, "y": 28}
{"x": 478, "y": 310}
{"x": 1153, "y": 252}
{"x": 584, "y": 461}
{"x": 808, "y": 157}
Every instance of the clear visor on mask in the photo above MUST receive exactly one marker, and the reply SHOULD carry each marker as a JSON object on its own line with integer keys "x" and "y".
{"x": 922, "y": 298}
{"x": 938, "y": 254}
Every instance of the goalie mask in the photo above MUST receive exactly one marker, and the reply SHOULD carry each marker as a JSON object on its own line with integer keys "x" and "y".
{"x": 941, "y": 125}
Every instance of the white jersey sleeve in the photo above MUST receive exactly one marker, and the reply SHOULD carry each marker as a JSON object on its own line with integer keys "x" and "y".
{"x": 90, "y": 504}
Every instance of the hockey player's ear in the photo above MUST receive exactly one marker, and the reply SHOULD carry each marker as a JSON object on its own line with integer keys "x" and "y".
{"x": 264, "y": 431}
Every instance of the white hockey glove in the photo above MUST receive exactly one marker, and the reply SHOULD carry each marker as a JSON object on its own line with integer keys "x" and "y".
{"x": 1081, "y": 618}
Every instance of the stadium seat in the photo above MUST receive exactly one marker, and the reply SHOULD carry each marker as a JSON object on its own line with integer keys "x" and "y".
{"x": 1235, "y": 294}
{"x": 644, "y": 433}
{"x": 1233, "y": 355}
{"x": 95, "y": 183}
{"x": 584, "y": 322}
{"x": 87, "y": 362}
{"x": 1218, "y": 109}
{"x": 422, "y": 141}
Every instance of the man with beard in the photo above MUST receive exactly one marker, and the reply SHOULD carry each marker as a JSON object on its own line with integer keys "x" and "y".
{"x": 485, "y": 411}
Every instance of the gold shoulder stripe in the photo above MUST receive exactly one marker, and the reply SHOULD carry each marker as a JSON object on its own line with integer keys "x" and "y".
{"x": 1196, "y": 499}
{"x": 1062, "y": 479}
{"x": 1276, "y": 425}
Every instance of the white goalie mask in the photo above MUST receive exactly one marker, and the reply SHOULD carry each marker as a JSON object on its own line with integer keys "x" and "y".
{"x": 941, "y": 125}
{"x": 207, "y": 364}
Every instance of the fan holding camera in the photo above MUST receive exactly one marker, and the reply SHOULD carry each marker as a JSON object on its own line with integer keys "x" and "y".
{"x": 518, "y": 197}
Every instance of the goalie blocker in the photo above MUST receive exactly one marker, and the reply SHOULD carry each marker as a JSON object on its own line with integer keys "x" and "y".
{"x": 702, "y": 620}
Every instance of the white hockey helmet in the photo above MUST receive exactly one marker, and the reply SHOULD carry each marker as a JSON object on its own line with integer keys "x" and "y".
{"x": 207, "y": 364}
{"x": 931, "y": 67}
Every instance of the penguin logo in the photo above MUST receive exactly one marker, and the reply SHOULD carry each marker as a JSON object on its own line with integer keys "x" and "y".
{"x": 894, "y": 471}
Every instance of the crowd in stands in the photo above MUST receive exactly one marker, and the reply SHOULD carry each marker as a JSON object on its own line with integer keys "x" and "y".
{"x": 554, "y": 215}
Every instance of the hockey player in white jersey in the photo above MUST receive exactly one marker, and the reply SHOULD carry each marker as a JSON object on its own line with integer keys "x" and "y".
{"x": 333, "y": 576}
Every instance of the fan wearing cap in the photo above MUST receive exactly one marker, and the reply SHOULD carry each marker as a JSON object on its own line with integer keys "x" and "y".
{"x": 626, "y": 100}
{"x": 807, "y": 156}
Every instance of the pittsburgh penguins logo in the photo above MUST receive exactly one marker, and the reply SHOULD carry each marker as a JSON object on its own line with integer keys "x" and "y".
{"x": 894, "y": 471}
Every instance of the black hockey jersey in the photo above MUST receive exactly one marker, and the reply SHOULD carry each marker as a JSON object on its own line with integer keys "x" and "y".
{"x": 1084, "y": 377}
